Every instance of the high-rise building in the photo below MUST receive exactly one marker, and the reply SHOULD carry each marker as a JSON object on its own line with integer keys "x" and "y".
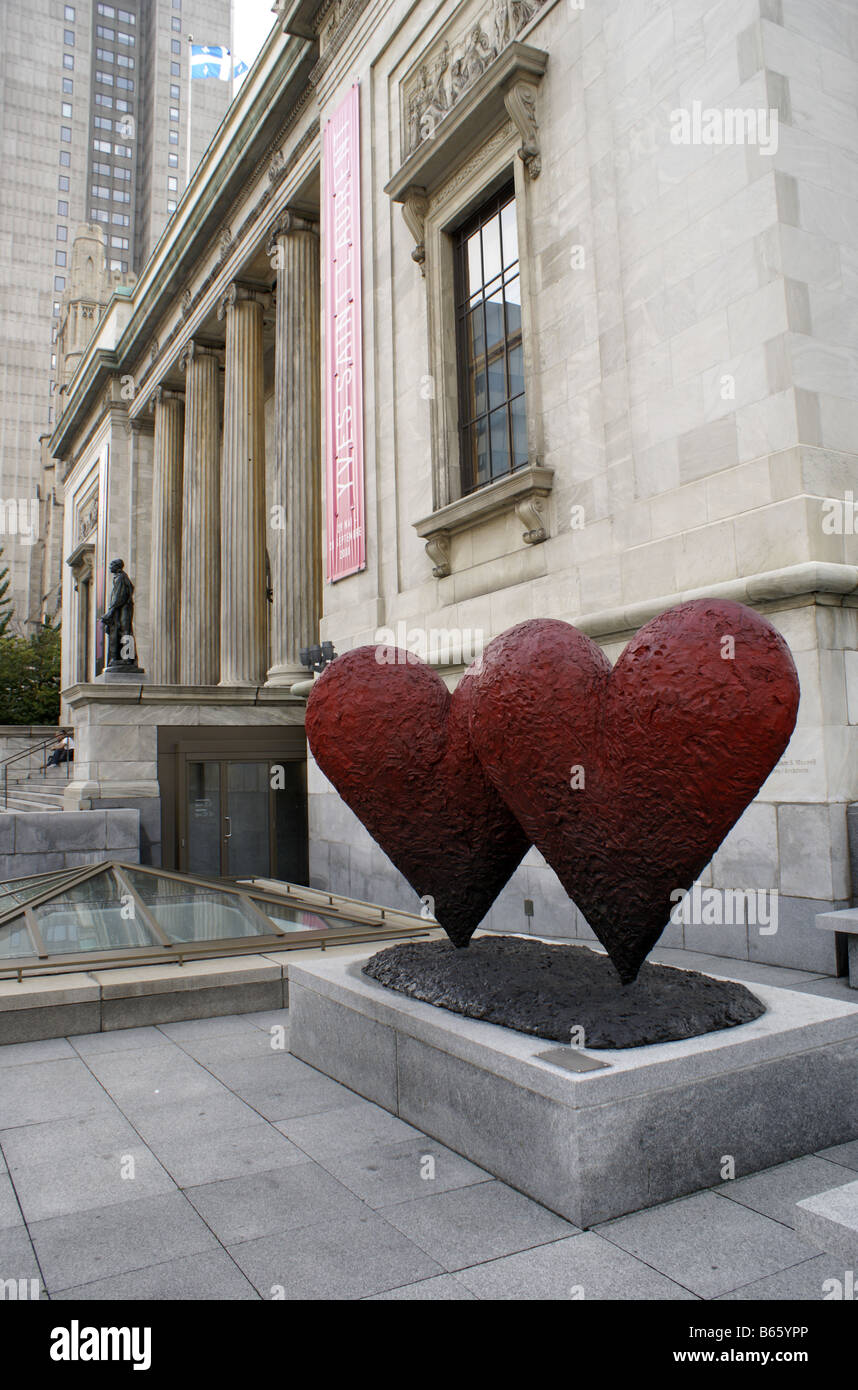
{"x": 94, "y": 102}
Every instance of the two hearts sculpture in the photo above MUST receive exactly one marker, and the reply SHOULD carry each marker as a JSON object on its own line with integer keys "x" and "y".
{"x": 626, "y": 779}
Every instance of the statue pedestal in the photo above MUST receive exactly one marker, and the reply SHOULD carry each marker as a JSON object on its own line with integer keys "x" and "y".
{"x": 130, "y": 675}
{"x": 590, "y": 1134}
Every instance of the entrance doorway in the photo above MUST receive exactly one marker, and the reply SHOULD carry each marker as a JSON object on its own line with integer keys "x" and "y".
{"x": 243, "y": 818}
{"x": 234, "y": 803}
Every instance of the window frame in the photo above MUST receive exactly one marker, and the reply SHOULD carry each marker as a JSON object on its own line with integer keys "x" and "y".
{"x": 449, "y": 207}
{"x": 466, "y": 302}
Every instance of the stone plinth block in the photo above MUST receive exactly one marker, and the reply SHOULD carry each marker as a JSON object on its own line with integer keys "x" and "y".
{"x": 649, "y": 1124}
{"x": 830, "y": 1220}
{"x": 845, "y": 922}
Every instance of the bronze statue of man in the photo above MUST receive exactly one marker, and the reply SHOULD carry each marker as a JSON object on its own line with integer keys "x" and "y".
{"x": 117, "y": 621}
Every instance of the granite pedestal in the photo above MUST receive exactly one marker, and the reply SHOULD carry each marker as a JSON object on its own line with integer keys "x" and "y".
{"x": 620, "y": 1130}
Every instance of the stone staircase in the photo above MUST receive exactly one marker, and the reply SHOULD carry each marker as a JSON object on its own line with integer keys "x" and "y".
{"x": 36, "y": 792}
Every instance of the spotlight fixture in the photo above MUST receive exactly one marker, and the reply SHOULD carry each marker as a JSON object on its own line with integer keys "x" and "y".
{"x": 317, "y": 658}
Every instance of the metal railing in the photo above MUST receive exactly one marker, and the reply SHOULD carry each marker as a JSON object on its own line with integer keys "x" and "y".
{"x": 42, "y": 749}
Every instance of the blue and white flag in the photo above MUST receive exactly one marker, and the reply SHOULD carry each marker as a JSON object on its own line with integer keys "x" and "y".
{"x": 241, "y": 68}
{"x": 210, "y": 62}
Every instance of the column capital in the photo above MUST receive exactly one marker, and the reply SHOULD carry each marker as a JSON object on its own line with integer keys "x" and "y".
{"x": 194, "y": 349}
{"x": 163, "y": 394}
{"x": 288, "y": 223}
{"x": 237, "y": 293}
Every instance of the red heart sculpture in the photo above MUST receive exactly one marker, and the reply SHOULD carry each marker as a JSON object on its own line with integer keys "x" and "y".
{"x": 670, "y": 747}
{"x": 395, "y": 744}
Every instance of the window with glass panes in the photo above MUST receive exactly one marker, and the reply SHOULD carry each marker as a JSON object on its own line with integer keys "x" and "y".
{"x": 492, "y": 422}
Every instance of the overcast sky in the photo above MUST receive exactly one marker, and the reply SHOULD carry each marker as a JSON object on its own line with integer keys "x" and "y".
{"x": 252, "y": 21}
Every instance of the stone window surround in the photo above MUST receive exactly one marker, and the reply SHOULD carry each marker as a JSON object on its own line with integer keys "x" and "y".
{"x": 81, "y": 562}
{"x": 439, "y": 185}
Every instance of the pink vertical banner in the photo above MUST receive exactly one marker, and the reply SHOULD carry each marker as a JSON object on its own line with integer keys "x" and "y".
{"x": 344, "y": 481}
{"x": 101, "y": 560}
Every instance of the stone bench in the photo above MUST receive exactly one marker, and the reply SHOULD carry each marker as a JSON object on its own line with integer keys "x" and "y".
{"x": 830, "y": 1220}
{"x": 845, "y": 921}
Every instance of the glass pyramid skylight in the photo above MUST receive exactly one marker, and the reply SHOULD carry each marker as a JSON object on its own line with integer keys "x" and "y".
{"x": 112, "y": 913}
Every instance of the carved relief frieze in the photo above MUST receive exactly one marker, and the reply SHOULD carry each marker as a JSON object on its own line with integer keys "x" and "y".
{"x": 87, "y": 518}
{"x": 444, "y": 76}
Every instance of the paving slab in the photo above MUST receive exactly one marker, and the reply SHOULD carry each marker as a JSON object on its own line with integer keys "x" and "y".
{"x": 92, "y": 1180}
{"x": 119, "y": 1040}
{"x": 45, "y": 1050}
{"x": 480, "y": 1222}
{"x": 268, "y": 1018}
{"x": 213, "y": 1276}
{"x": 214, "y": 1053}
{"x": 196, "y": 1159}
{"x": 845, "y": 1154}
{"x": 346, "y": 1128}
{"x": 60, "y": 1089}
{"x": 829, "y": 1221}
{"x": 383, "y": 1174}
{"x": 67, "y": 1141}
{"x": 18, "y": 1262}
{"x": 444, "y": 1288}
{"x": 343, "y": 1259}
{"x": 775, "y": 1191}
{"x": 225, "y": 1026}
{"x": 281, "y": 1199}
{"x": 10, "y": 1210}
{"x": 97, "y": 1244}
{"x": 707, "y": 1243}
{"x": 830, "y": 988}
{"x": 818, "y": 1279}
{"x": 581, "y": 1267}
{"x": 208, "y": 1114}
{"x": 139, "y": 1076}
{"x": 266, "y": 1069}
{"x": 286, "y": 1099}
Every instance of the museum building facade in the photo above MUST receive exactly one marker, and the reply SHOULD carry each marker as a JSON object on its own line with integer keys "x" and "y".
{"x": 473, "y": 313}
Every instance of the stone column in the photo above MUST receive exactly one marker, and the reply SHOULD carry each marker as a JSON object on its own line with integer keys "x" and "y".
{"x": 243, "y": 654}
{"x": 295, "y": 535}
{"x": 200, "y": 624}
{"x": 166, "y": 535}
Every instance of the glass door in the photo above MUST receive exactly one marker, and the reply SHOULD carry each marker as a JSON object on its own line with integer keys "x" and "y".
{"x": 202, "y": 842}
{"x": 243, "y": 818}
{"x": 247, "y": 813}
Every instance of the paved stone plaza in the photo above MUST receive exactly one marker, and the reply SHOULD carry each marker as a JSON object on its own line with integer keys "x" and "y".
{"x": 257, "y": 1176}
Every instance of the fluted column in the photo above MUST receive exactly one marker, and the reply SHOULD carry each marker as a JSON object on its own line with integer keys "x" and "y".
{"x": 243, "y": 656}
{"x": 295, "y": 535}
{"x": 200, "y": 626}
{"x": 166, "y": 535}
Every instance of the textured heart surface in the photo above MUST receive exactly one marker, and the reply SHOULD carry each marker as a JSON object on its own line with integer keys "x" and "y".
{"x": 386, "y": 732}
{"x": 627, "y": 780}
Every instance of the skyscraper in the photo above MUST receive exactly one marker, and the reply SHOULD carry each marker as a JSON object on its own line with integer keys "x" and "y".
{"x": 94, "y": 128}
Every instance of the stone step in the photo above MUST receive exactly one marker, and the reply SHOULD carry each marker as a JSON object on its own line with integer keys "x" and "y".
{"x": 34, "y": 801}
{"x": 53, "y": 776}
{"x": 830, "y": 1220}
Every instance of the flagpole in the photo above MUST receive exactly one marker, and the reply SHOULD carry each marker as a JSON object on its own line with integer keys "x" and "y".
{"x": 190, "y": 94}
